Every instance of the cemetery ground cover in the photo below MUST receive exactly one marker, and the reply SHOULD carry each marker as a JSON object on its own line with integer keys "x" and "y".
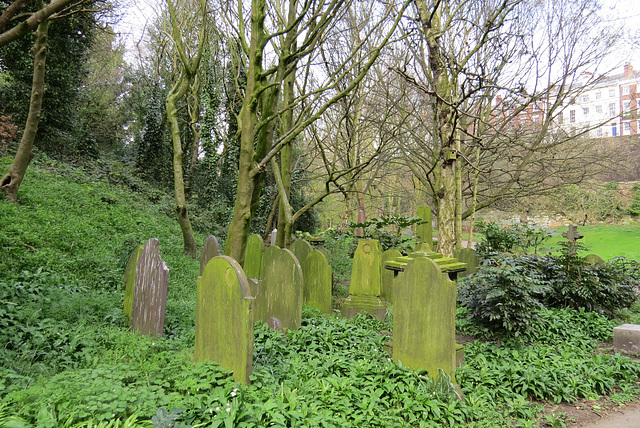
{"x": 68, "y": 358}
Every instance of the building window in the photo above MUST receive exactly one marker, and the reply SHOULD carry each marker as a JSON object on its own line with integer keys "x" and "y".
{"x": 585, "y": 98}
{"x": 626, "y": 106}
{"x": 598, "y": 95}
{"x": 627, "y": 128}
{"x": 585, "y": 111}
{"x": 599, "y": 109}
{"x": 612, "y": 109}
{"x": 612, "y": 92}
{"x": 572, "y": 116}
{"x": 626, "y": 89}
{"x": 614, "y": 130}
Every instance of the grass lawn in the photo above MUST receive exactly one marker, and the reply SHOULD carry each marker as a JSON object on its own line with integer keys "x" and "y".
{"x": 607, "y": 241}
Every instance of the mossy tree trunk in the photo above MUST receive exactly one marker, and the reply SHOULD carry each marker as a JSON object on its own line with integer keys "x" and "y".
{"x": 10, "y": 183}
{"x": 186, "y": 81}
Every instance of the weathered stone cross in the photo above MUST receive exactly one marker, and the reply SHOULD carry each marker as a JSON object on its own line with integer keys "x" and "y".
{"x": 572, "y": 234}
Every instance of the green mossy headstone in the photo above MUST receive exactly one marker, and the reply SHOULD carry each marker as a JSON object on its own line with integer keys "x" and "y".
{"x": 424, "y": 316}
{"x": 253, "y": 257}
{"x": 366, "y": 282}
{"x": 424, "y": 231}
{"x": 224, "y": 319}
{"x": 388, "y": 275}
{"x": 301, "y": 249}
{"x": 594, "y": 259}
{"x": 280, "y": 292}
{"x": 129, "y": 280}
{"x": 210, "y": 249}
{"x": 468, "y": 256}
{"x": 317, "y": 281}
{"x": 150, "y": 291}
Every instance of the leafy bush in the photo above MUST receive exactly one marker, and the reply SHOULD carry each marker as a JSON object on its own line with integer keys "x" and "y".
{"x": 515, "y": 238}
{"x": 504, "y": 293}
{"x": 388, "y": 230}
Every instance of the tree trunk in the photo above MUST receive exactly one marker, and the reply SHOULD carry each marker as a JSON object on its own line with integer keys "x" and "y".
{"x": 190, "y": 246}
{"x": 11, "y": 181}
{"x": 458, "y": 222}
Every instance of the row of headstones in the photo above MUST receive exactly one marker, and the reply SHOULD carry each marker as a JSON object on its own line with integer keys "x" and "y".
{"x": 228, "y": 300}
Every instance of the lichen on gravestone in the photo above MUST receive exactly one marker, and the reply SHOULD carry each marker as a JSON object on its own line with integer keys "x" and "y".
{"x": 301, "y": 249}
{"x": 366, "y": 285}
{"x": 317, "y": 281}
{"x": 253, "y": 257}
{"x": 470, "y": 257}
{"x": 150, "y": 291}
{"x": 280, "y": 292}
{"x": 424, "y": 231}
{"x": 129, "y": 281}
{"x": 224, "y": 318}
{"x": 388, "y": 275}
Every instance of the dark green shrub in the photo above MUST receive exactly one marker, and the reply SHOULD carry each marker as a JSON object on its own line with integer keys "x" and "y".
{"x": 504, "y": 293}
{"x": 389, "y": 231}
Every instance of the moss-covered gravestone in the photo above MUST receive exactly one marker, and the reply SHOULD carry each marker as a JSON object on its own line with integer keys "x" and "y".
{"x": 594, "y": 259}
{"x": 424, "y": 315}
{"x": 317, "y": 281}
{"x": 388, "y": 275}
{"x": 150, "y": 291}
{"x": 280, "y": 291}
{"x": 468, "y": 256}
{"x": 253, "y": 257}
{"x": 129, "y": 280}
{"x": 366, "y": 282}
{"x": 210, "y": 249}
{"x": 301, "y": 249}
{"x": 224, "y": 319}
{"x": 424, "y": 232}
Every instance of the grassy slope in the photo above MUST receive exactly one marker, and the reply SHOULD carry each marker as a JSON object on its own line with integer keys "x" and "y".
{"x": 607, "y": 241}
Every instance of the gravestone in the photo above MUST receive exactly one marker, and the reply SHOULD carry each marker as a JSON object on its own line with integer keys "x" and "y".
{"x": 224, "y": 319}
{"x": 274, "y": 236}
{"x": 366, "y": 282}
{"x": 253, "y": 257}
{"x": 572, "y": 236}
{"x": 317, "y": 281}
{"x": 129, "y": 280}
{"x": 150, "y": 291}
{"x": 280, "y": 293}
{"x": 468, "y": 256}
{"x": 301, "y": 249}
{"x": 424, "y": 318}
{"x": 388, "y": 275}
{"x": 626, "y": 338}
{"x": 424, "y": 232}
{"x": 594, "y": 259}
{"x": 210, "y": 249}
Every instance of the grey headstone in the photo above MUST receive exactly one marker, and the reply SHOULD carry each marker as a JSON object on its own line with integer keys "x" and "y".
{"x": 210, "y": 249}
{"x": 388, "y": 275}
{"x": 129, "y": 280}
{"x": 301, "y": 249}
{"x": 468, "y": 256}
{"x": 150, "y": 291}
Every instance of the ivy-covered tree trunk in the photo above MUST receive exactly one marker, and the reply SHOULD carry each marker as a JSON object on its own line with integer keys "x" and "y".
{"x": 13, "y": 178}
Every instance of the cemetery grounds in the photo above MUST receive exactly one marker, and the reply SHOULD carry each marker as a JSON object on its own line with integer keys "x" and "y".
{"x": 69, "y": 360}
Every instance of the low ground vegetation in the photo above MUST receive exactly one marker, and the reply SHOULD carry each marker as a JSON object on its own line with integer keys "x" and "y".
{"x": 70, "y": 361}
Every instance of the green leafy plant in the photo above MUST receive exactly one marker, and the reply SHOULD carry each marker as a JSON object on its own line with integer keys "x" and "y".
{"x": 389, "y": 231}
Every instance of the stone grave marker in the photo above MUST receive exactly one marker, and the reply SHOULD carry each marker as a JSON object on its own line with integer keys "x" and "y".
{"x": 468, "y": 256}
{"x": 280, "y": 293}
{"x": 253, "y": 257}
{"x": 224, "y": 319}
{"x": 210, "y": 249}
{"x": 424, "y": 231}
{"x": 594, "y": 259}
{"x": 317, "y": 281}
{"x": 572, "y": 236}
{"x": 274, "y": 237}
{"x": 424, "y": 318}
{"x": 129, "y": 280}
{"x": 150, "y": 291}
{"x": 388, "y": 275}
{"x": 366, "y": 282}
{"x": 301, "y": 249}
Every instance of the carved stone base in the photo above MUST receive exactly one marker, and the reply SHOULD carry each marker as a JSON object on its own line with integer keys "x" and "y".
{"x": 370, "y": 304}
